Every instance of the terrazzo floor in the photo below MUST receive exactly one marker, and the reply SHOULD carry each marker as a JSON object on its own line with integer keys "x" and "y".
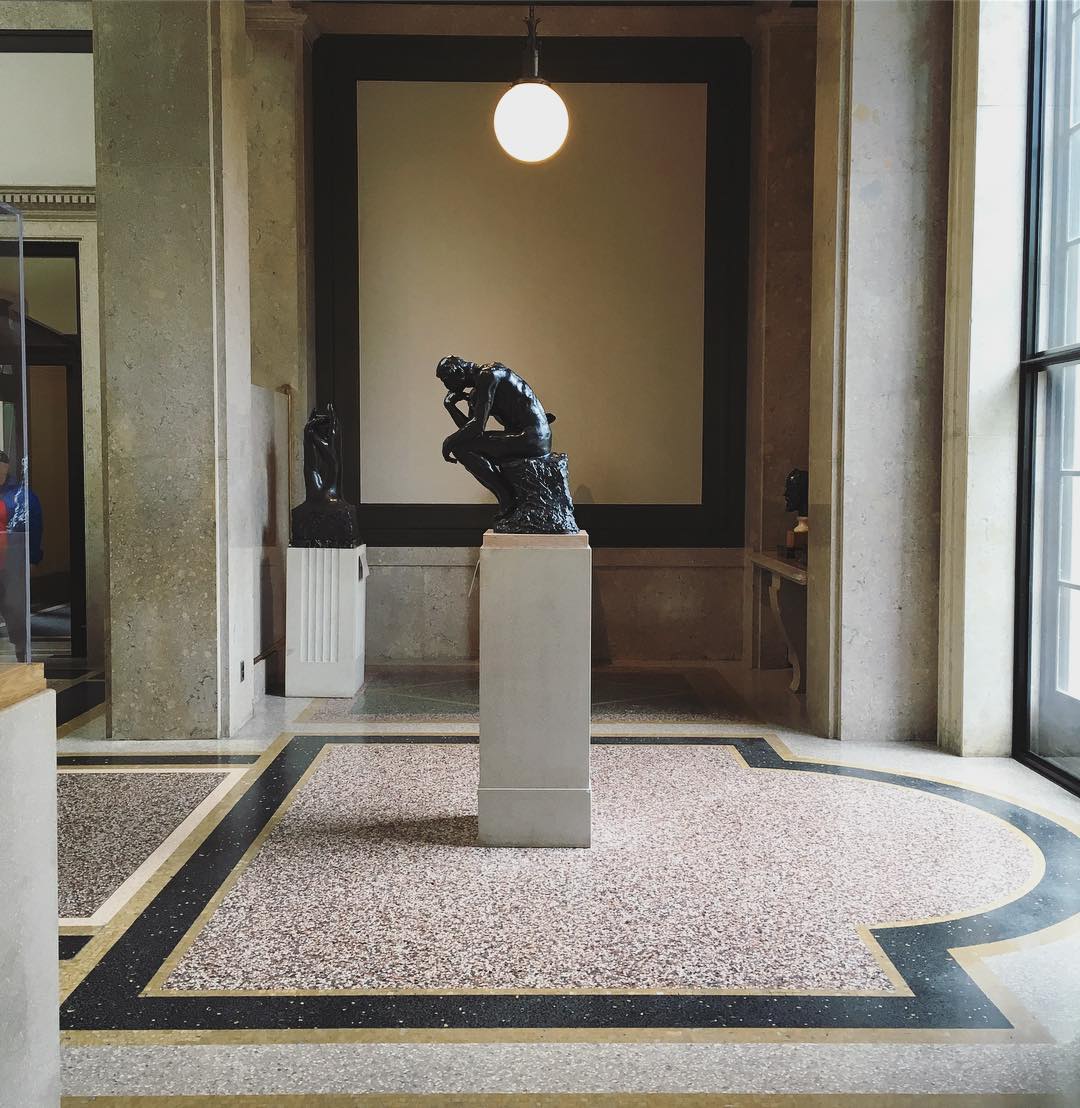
{"x": 108, "y": 824}
{"x": 703, "y": 874}
{"x": 321, "y": 1049}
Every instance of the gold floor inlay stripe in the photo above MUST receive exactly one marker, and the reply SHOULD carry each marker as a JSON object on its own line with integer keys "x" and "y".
{"x": 353, "y": 1035}
{"x": 580, "y": 1100}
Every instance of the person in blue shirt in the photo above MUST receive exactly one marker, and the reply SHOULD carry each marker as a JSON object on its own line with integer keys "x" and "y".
{"x": 20, "y": 514}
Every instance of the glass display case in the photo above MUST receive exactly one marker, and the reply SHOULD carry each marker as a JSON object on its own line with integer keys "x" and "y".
{"x": 19, "y": 523}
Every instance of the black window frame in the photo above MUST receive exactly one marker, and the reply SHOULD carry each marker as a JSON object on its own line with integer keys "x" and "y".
{"x": 723, "y": 65}
{"x": 1034, "y": 361}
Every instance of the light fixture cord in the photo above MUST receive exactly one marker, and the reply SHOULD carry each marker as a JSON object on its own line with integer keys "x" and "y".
{"x": 532, "y": 45}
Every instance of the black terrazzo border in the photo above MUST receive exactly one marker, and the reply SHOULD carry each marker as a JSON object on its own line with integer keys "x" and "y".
{"x": 945, "y": 997}
{"x": 208, "y": 760}
{"x": 70, "y": 945}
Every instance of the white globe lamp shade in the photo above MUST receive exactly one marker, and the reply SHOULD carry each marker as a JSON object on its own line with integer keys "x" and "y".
{"x": 531, "y": 121}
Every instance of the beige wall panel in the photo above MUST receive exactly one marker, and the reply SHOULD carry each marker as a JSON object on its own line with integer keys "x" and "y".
{"x": 50, "y": 288}
{"x": 585, "y": 274}
{"x": 48, "y": 119}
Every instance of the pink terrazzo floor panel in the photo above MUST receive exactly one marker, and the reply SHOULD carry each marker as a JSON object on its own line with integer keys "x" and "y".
{"x": 704, "y": 875}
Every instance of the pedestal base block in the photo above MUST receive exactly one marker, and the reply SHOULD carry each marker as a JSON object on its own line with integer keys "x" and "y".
{"x": 535, "y": 817}
{"x": 324, "y": 621}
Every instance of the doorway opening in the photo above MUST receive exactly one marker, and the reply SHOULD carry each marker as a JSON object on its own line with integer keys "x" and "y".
{"x": 56, "y": 516}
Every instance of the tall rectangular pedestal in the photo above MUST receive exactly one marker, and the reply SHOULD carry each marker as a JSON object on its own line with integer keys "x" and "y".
{"x": 324, "y": 621}
{"x": 29, "y": 1017}
{"x": 535, "y": 690}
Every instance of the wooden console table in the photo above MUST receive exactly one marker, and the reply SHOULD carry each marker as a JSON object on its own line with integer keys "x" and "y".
{"x": 787, "y": 598}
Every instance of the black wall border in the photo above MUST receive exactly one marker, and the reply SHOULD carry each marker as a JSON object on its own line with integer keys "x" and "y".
{"x": 723, "y": 65}
{"x": 46, "y": 42}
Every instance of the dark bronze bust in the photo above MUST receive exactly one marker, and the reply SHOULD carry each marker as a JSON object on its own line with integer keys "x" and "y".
{"x": 515, "y": 464}
{"x": 797, "y": 492}
{"x": 324, "y": 518}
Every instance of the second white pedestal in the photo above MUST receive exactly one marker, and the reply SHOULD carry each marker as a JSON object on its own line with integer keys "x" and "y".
{"x": 535, "y": 690}
{"x": 324, "y": 621}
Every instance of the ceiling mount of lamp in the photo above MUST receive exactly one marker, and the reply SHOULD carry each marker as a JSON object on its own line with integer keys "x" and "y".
{"x": 531, "y": 121}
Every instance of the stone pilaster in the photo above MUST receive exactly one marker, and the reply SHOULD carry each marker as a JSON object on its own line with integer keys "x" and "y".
{"x": 172, "y": 204}
{"x": 279, "y": 175}
{"x": 881, "y": 163}
{"x": 982, "y": 349}
{"x": 778, "y": 381}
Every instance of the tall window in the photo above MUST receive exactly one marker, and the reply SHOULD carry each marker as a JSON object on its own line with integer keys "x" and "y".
{"x": 1049, "y": 674}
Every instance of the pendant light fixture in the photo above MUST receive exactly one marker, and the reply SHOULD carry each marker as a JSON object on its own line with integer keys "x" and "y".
{"x": 531, "y": 120}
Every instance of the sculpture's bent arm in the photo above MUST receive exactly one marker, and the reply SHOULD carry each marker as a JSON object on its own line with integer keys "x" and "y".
{"x": 450, "y": 403}
{"x": 482, "y": 399}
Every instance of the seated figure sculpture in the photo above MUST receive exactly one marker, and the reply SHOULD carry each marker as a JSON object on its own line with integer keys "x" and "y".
{"x": 530, "y": 483}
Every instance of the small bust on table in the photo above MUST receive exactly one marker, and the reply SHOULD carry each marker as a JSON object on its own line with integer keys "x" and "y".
{"x": 515, "y": 464}
{"x": 796, "y": 499}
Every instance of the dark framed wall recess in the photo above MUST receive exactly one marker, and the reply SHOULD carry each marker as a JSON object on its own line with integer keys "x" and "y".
{"x": 723, "y": 65}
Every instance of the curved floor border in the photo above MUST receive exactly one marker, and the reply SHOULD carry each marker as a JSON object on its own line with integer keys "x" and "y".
{"x": 952, "y": 996}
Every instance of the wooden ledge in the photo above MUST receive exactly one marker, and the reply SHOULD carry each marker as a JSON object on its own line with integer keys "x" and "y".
{"x": 789, "y": 570}
{"x": 19, "y": 680}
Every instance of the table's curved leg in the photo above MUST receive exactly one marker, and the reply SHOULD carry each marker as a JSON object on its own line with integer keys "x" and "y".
{"x": 791, "y": 616}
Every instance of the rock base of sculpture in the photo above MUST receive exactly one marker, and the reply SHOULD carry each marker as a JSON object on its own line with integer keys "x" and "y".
{"x": 325, "y": 524}
{"x": 325, "y": 600}
{"x": 543, "y": 505}
{"x": 535, "y": 690}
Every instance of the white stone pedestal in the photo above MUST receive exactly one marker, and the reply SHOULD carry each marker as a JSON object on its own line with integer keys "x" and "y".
{"x": 535, "y": 690}
{"x": 324, "y": 621}
{"x": 29, "y": 1015}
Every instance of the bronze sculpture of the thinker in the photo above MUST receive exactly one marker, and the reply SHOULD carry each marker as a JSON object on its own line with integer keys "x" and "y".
{"x": 515, "y": 463}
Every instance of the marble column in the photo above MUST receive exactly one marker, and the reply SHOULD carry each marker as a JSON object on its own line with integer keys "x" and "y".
{"x": 170, "y": 102}
{"x": 982, "y": 350}
{"x": 880, "y": 199}
{"x": 279, "y": 189}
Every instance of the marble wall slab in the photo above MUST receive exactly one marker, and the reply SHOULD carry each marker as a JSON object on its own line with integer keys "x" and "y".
{"x": 649, "y": 604}
{"x": 46, "y": 15}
